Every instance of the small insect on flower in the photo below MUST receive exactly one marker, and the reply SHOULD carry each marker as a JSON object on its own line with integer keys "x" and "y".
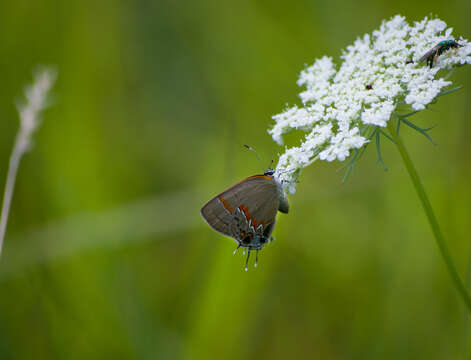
{"x": 369, "y": 87}
{"x": 432, "y": 55}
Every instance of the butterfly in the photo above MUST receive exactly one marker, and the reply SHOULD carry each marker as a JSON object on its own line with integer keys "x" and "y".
{"x": 247, "y": 211}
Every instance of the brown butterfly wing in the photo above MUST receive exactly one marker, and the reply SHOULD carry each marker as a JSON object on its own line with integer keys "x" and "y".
{"x": 257, "y": 197}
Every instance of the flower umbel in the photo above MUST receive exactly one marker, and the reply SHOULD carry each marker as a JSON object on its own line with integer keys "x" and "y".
{"x": 343, "y": 109}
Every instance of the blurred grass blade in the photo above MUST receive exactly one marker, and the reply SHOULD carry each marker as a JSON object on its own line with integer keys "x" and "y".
{"x": 116, "y": 227}
{"x": 36, "y": 101}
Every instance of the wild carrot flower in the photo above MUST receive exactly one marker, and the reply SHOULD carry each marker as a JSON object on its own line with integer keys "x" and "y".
{"x": 344, "y": 107}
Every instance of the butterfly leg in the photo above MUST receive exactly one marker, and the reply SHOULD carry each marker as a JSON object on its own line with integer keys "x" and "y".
{"x": 237, "y": 248}
{"x": 247, "y": 261}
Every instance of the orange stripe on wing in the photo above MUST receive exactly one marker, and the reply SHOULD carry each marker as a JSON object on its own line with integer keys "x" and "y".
{"x": 261, "y": 176}
{"x": 255, "y": 224}
{"x": 226, "y": 204}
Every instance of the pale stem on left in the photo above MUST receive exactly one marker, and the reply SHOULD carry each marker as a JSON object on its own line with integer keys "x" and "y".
{"x": 36, "y": 101}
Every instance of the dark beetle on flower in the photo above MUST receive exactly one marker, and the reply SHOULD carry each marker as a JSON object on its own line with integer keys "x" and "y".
{"x": 432, "y": 55}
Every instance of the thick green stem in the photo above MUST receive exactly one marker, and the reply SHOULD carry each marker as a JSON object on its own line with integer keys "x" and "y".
{"x": 459, "y": 285}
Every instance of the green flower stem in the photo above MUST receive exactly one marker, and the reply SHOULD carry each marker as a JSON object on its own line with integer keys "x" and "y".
{"x": 459, "y": 285}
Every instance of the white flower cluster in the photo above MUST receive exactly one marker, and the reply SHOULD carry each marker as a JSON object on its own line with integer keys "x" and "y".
{"x": 379, "y": 72}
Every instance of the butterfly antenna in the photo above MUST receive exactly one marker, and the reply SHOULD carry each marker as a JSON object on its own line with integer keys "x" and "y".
{"x": 258, "y": 159}
{"x": 247, "y": 261}
{"x": 256, "y": 259}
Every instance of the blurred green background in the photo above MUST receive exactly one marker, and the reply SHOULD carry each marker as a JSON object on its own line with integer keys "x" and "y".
{"x": 106, "y": 255}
